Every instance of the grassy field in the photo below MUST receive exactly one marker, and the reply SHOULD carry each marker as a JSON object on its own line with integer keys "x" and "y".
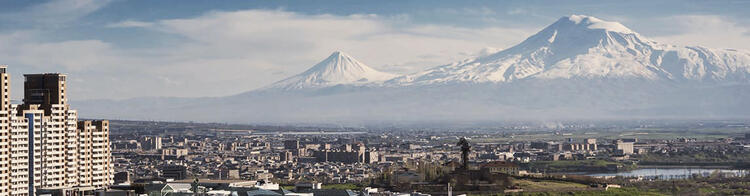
{"x": 547, "y": 185}
{"x": 610, "y": 192}
{"x": 701, "y": 186}
{"x": 290, "y": 187}
{"x": 341, "y": 186}
{"x": 549, "y": 188}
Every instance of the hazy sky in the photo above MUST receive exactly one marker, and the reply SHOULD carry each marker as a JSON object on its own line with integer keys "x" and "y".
{"x": 122, "y": 49}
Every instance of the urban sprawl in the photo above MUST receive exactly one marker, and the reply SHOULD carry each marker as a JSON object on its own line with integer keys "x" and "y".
{"x": 45, "y": 149}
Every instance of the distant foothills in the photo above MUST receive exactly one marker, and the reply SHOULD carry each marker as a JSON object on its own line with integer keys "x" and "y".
{"x": 579, "y": 67}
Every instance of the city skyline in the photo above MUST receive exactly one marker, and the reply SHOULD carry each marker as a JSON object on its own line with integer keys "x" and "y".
{"x": 156, "y": 52}
{"x": 374, "y": 98}
{"x": 44, "y": 146}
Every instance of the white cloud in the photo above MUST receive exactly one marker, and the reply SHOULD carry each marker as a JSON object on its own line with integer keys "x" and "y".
{"x": 130, "y": 24}
{"x": 488, "y": 51}
{"x": 705, "y": 30}
{"x": 374, "y": 40}
{"x": 247, "y": 47}
{"x": 70, "y": 55}
{"x": 224, "y": 53}
{"x": 56, "y": 12}
{"x": 517, "y": 11}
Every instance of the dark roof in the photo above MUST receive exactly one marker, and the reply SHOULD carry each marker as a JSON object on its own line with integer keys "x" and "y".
{"x": 329, "y": 192}
{"x": 262, "y": 192}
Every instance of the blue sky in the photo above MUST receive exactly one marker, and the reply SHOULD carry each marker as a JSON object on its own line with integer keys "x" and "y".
{"x": 121, "y": 49}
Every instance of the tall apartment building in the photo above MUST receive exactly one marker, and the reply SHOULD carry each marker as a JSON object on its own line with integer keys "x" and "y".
{"x": 20, "y": 152}
{"x": 94, "y": 154}
{"x": 46, "y": 146}
{"x": 5, "y": 161}
{"x": 45, "y": 90}
{"x": 54, "y": 130}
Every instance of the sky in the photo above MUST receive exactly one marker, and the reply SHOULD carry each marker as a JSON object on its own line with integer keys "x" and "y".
{"x": 119, "y": 49}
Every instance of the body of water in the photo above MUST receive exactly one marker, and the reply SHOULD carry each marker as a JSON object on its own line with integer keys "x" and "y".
{"x": 674, "y": 173}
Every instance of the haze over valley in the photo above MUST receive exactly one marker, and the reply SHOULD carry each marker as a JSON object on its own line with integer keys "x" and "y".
{"x": 578, "y": 67}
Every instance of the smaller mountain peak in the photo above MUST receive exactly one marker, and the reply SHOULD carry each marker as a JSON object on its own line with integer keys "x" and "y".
{"x": 577, "y": 18}
{"x": 337, "y": 58}
{"x": 591, "y": 22}
{"x": 338, "y": 68}
{"x": 338, "y": 53}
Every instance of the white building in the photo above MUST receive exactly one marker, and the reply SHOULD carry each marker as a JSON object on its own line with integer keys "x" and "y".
{"x": 42, "y": 144}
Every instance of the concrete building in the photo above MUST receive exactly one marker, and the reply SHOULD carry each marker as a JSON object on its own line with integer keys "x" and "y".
{"x": 5, "y": 132}
{"x": 623, "y": 147}
{"x": 122, "y": 177}
{"x": 177, "y": 152}
{"x": 45, "y": 90}
{"x": 500, "y": 167}
{"x": 591, "y": 143}
{"x": 291, "y": 144}
{"x": 286, "y": 156}
{"x": 337, "y": 156}
{"x": 177, "y": 172}
{"x": 152, "y": 143}
{"x": 371, "y": 157}
{"x": 227, "y": 174}
{"x": 42, "y": 146}
{"x": 347, "y": 155}
{"x": 541, "y": 145}
{"x": 94, "y": 154}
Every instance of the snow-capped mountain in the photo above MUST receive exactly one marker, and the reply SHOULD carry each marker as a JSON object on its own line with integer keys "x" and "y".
{"x": 337, "y": 69}
{"x": 585, "y": 47}
{"x": 579, "y": 67}
{"x": 573, "y": 47}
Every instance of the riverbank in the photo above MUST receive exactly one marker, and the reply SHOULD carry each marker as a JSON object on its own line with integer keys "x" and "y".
{"x": 717, "y": 165}
{"x": 686, "y": 167}
{"x": 566, "y": 166}
{"x": 674, "y": 173}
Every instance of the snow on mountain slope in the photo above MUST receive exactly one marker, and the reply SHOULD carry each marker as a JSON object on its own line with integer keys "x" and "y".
{"x": 339, "y": 68}
{"x": 579, "y": 67}
{"x": 586, "y": 47}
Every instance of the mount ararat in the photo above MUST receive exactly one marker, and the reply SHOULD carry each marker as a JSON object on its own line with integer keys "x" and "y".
{"x": 579, "y": 67}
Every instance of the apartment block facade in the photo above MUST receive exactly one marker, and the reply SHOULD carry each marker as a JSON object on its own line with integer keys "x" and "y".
{"x": 42, "y": 143}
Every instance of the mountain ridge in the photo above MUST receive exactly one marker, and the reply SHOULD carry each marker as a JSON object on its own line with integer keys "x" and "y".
{"x": 579, "y": 67}
{"x": 575, "y": 46}
{"x": 580, "y": 46}
{"x": 339, "y": 68}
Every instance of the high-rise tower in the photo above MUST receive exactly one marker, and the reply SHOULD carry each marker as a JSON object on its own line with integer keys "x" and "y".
{"x": 4, "y": 131}
{"x": 45, "y": 90}
{"x": 4, "y": 88}
{"x": 42, "y": 144}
